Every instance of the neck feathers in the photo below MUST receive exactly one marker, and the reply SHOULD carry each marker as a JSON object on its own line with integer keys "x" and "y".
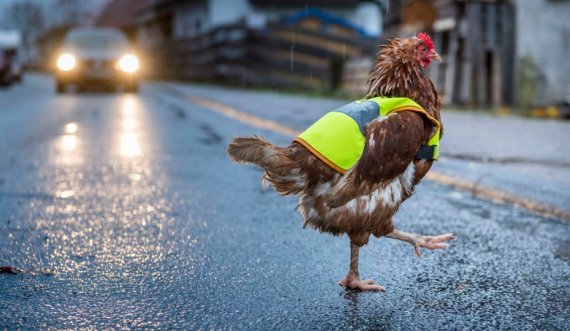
{"x": 395, "y": 72}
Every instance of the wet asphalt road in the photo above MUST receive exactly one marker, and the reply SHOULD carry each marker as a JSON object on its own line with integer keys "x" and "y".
{"x": 125, "y": 213}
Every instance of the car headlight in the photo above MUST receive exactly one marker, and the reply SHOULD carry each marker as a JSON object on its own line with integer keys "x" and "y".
{"x": 66, "y": 62}
{"x": 129, "y": 63}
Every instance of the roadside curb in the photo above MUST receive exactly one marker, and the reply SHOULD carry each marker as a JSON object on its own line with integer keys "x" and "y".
{"x": 489, "y": 193}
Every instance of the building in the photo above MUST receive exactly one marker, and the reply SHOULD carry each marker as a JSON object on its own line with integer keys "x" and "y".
{"x": 123, "y": 14}
{"x": 494, "y": 52}
{"x": 542, "y": 47}
{"x": 179, "y": 19}
{"x": 273, "y": 43}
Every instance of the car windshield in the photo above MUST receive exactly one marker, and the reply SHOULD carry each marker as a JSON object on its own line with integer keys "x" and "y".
{"x": 94, "y": 39}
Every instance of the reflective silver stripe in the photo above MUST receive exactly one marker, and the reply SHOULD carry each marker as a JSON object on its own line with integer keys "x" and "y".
{"x": 362, "y": 112}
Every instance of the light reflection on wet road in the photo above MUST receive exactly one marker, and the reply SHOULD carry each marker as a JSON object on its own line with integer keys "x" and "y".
{"x": 88, "y": 219}
{"x": 126, "y": 214}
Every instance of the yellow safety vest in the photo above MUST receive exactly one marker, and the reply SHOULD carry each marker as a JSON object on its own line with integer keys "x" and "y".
{"x": 338, "y": 139}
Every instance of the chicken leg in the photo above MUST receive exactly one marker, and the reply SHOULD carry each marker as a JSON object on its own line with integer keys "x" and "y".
{"x": 352, "y": 279}
{"x": 418, "y": 241}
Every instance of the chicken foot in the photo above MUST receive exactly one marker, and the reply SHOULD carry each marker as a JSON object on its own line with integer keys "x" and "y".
{"x": 352, "y": 279}
{"x": 418, "y": 240}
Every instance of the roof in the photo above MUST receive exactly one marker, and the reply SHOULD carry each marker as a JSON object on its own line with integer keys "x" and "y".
{"x": 325, "y": 17}
{"x": 304, "y": 3}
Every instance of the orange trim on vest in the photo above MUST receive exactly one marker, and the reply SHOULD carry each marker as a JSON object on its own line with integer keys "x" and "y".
{"x": 319, "y": 155}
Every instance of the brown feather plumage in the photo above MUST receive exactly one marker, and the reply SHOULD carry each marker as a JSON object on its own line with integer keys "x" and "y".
{"x": 362, "y": 201}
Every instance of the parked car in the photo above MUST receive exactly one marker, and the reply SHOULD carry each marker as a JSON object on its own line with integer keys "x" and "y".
{"x": 5, "y": 69}
{"x": 10, "y": 68}
{"x": 101, "y": 56}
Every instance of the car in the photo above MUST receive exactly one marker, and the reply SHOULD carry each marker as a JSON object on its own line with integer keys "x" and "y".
{"x": 10, "y": 68}
{"x": 96, "y": 56}
{"x": 5, "y": 69}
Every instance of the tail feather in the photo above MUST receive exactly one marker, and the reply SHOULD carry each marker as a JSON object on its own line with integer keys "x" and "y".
{"x": 280, "y": 170}
{"x": 258, "y": 151}
{"x": 247, "y": 149}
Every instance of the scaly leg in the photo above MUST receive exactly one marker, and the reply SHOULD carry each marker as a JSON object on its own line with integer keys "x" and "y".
{"x": 352, "y": 279}
{"x": 417, "y": 240}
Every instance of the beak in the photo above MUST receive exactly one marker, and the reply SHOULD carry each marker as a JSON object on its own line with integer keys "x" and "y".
{"x": 435, "y": 57}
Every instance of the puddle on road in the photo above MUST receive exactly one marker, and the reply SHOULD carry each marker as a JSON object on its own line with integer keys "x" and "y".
{"x": 108, "y": 209}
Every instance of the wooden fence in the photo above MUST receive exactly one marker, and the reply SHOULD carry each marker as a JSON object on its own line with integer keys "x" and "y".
{"x": 278, "y": 56}
{"x": 355, "y": 76}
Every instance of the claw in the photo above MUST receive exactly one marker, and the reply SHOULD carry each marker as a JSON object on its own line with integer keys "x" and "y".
{"x": 417, "y": 250}
{"x": 433, "y": 242}
{"x": 419, "y": 241}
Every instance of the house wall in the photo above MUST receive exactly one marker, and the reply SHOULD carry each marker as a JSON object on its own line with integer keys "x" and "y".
{"x": 190, "y": 19}
{"x": 475, "y": 41}
{"x": 369, "y": 16}
{"x": 542, "y": 50}
{"x": 366, "y": 15}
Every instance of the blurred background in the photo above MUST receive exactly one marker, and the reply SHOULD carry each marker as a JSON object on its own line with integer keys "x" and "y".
{"x": 500, "y": 55}
{"x": 121, "y": 210}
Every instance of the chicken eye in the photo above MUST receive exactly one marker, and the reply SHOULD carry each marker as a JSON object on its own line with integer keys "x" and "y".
{"x": 424, "y": 49}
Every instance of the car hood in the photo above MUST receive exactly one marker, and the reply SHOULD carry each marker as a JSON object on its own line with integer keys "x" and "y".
{"x": 97, "y": 54}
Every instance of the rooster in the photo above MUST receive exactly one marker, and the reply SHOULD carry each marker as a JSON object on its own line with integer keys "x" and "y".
{"x": 360, "y": 199}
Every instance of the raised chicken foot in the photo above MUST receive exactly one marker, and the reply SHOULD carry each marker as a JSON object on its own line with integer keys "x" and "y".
{"x": 352, "y": 279}
{"x": 418, "y": 240}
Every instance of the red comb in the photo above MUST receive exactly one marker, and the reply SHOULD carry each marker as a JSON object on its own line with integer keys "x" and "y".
{"x": 426, "y": 38}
